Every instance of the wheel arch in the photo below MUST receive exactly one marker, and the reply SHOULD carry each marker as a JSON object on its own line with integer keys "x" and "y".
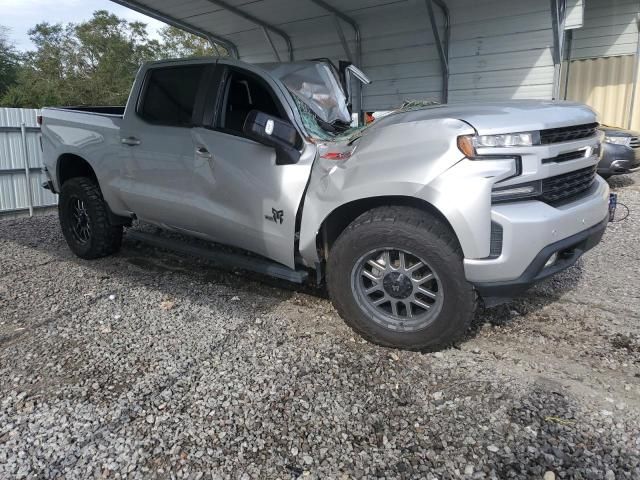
{"x": 70, "y": 165}
{"x": 339, "y": 218}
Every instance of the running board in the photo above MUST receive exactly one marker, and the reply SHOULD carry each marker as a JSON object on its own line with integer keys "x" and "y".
{"x": 223, "y": 259}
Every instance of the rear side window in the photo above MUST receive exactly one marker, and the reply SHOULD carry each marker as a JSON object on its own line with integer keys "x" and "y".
{"x": 169, "y": 96}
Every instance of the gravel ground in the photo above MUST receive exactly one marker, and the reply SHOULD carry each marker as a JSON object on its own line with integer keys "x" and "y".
{"x": 152, "y": 365}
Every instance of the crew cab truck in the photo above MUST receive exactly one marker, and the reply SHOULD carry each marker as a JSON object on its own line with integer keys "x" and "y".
{"x": 409, "y": 221}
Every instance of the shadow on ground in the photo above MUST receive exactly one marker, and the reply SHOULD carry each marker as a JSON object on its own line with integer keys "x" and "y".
{"x": 147, "y": 265}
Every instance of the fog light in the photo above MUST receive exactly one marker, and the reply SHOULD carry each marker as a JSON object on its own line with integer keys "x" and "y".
{"x": 520, "y": 191}
{"x": 514, "y": 192}
{"x": 551, "y": 261}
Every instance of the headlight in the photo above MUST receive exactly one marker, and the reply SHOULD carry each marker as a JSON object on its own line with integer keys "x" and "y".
{"x": 507, "y": 140}
{"x": 468, "y": 143}
{"x": 626, "y": 141}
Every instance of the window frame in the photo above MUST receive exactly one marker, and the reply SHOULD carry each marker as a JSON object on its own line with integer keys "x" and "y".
{"x": 198, "y": 107}
{"x": 225, "y": 74}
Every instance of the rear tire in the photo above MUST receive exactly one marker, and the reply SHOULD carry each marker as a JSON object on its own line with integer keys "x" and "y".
{"x": 85, "y": 220}
{"x": 396, "y": 277}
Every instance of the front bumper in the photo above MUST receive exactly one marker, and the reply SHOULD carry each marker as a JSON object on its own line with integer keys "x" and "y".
{"x": 568, "y": 250}
{"x": 620, "y": 167}
{"x": 618, "y": 159}
{"x": 530, "y": 227}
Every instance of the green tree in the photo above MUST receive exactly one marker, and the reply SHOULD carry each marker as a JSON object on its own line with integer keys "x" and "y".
{"x": 8, "y": 62}
{"x": 176, "y": 43}
{"x": 93, "y": 62}
{"x": 42, "y": 75}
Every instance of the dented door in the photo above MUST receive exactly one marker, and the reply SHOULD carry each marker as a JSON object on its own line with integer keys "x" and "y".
{"x": 244, "y": 199}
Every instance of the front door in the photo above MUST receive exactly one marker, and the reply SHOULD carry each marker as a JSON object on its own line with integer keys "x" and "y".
{"x": 244, "y": 198}
{"x": 158, "y": 175}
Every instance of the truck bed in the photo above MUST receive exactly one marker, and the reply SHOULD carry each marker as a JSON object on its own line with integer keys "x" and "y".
{"x": 86, "y": 132}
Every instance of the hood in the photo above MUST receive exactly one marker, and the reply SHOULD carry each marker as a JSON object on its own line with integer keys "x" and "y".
{"x": 501, "y": 117}
{"x": 618, "y": 132}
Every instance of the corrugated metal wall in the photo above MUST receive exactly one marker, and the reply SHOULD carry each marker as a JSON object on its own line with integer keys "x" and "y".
{"x": 500, "y": 50}
{"x": 399, "y": 72}
{"x": 398, "y": 48}
{"x": 635, "y": 114}
{"x": 604, "y": 84}
{"x": 14, "y": 192}
{"x": 609, "y": 29}
{"x": 603, "y": 57}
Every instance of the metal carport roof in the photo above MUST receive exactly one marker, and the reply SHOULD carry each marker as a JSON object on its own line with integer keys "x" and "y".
{"x": 397, "y": 39}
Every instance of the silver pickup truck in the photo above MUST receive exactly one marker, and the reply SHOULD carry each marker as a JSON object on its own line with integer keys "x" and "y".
{"x": 409, "y": 221}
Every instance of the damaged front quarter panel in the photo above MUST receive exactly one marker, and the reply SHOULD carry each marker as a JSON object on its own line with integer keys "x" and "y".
{"x": 404, "y": 155}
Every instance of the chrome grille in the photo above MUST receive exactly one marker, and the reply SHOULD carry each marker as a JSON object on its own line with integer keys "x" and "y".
{"x": 565, "y": 187}
{"x": 635, "y": 142}
{"x": 565, "y": 157}
{"x": 566, "y": 134}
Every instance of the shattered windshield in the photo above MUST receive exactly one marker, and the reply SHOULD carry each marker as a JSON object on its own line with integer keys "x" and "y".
{"x": 321, "y": 100}
{"x": 317, "y": 86}
{"x": 313, "y": 127}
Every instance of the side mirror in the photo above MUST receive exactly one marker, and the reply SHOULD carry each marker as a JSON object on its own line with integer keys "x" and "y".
{"x": 348, "y": 73}
{"x": 354, "y": 71}
{"x": 273, "y": 132}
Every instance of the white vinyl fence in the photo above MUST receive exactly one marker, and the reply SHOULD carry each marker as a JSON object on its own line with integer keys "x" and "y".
{"x": 21, "y": 177}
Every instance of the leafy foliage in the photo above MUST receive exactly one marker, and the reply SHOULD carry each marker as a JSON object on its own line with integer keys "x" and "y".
{"x": 177, "y": 43}
{"x": 90, "y": 63}
{"x": 8, "y": 63}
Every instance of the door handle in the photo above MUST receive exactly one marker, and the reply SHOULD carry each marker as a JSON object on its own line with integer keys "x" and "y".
{"x": 131, "y": 141}
{"x": 204, "y": 153}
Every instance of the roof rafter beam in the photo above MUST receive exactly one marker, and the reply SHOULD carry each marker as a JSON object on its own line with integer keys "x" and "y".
{"x": 343, "y": 38}
{"x": 174, "y": 22}
{"x": 442, "y": 46}
{"x": 338, "y": 14}
{"x": 265, "y": 25}
{"x": 267, "y": 35}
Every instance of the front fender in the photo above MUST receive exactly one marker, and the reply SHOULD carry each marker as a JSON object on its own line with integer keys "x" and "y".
{"x": 419, "y": 160}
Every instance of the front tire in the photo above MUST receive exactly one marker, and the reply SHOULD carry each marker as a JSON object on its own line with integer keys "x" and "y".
{"x": 395, "y": 275}
{"x": 85, "y": 220}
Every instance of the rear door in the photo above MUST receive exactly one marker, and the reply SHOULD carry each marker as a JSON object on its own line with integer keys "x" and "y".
{"x": 244, "y": 197}
{"x": 157, "y": 177}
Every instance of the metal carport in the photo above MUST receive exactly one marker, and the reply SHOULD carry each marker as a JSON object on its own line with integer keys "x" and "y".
{"x": 444, "y": 50}
{"x": 280, "y": 30}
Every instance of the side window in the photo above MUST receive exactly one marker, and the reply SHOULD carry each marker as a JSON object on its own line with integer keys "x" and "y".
{"x": 243, "y": 94}
{"x": 169, "y": 95}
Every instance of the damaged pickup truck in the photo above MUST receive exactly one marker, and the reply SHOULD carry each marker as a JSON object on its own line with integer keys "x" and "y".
{"x": 410, "y": 221}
